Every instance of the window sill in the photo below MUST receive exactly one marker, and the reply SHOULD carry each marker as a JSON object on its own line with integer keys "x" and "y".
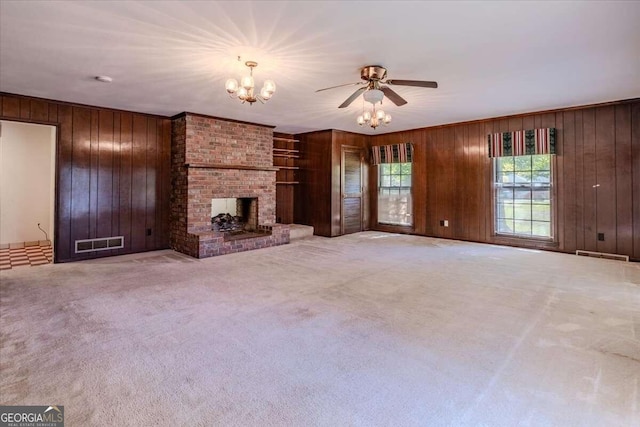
{"x": 524, "y": 241}
{"x": 390, "y": 228}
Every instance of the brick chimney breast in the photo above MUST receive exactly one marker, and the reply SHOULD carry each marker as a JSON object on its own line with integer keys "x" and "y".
{"x": 216, "y": 158}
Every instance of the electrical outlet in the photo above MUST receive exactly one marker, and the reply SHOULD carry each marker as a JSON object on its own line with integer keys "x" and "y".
{"x": 446, "y": 222}
{"x": 601, "y": 237}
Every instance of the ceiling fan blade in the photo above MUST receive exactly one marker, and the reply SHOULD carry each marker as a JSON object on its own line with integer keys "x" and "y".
{"x": 352, "y": 97}
{"x": 333, "y": 87}
{"x": 418, "y": 83}
{"x": 393, "y": 96}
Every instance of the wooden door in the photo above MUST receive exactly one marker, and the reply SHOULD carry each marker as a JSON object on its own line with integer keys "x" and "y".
{"x": 352, "y": 188}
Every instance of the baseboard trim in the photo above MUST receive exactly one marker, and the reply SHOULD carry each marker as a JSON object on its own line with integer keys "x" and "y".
{"x": 603, "y": 255}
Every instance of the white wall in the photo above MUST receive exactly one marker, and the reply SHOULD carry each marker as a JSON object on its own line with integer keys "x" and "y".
{"x": 27, "y": 181}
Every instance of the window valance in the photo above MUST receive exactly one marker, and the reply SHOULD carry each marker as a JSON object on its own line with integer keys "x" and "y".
{"x": 522, "y": 142}
{"x": 395, "y": 153}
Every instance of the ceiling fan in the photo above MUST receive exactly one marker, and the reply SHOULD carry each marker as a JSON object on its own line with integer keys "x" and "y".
{"x": 374, "y": 86}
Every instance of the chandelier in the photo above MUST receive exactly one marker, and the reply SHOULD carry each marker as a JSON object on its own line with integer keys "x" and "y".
{"x": 245, "y": 90}
{"x": 373, "y": 118}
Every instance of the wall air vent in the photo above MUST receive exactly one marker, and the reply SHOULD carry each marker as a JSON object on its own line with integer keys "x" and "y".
{"x": 101, "y": 244}
{"x": 603, "y": 255}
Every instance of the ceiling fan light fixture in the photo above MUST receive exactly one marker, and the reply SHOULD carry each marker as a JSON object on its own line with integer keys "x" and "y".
{"x": 373, "y": 96}
{"x": 374, "y": 88}
{"x": 373, "y": 118}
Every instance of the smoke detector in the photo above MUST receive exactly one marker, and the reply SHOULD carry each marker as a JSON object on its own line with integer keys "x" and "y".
{"x": 104, "y": 79}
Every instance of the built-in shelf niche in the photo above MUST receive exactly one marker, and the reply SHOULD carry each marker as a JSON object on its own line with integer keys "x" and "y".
{"x": 286, "y": 153}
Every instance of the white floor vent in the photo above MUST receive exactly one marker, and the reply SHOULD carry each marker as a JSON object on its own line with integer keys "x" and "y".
{"x": 101, "y": 244}
{"x": 603, "y": 255}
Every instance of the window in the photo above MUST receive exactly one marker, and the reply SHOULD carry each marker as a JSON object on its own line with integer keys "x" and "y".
{"x": 523, "y": 196}
{"x": 394, "y": 194}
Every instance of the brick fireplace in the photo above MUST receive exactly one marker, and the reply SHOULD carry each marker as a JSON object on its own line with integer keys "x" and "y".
{"x": 211, "y": 159}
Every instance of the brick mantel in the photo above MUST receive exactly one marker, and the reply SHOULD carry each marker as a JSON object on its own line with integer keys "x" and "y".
{"x": 238, "y": 167}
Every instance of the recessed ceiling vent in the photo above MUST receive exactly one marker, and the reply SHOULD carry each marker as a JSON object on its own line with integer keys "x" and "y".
{"x": 101, "y": 244}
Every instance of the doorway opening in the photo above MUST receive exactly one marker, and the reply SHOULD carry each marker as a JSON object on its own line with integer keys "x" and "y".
{"x": 27, "y": 194}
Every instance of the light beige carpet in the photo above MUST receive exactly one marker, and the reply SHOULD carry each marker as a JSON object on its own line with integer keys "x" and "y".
{"x": 362, "y": 330}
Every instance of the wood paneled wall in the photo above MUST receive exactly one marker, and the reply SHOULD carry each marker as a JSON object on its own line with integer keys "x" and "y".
{"x": 112, "y": 174}
{"x": 313, "y": 194}
{"x": 597, "y": 185}
{"x": 318, "y": 196}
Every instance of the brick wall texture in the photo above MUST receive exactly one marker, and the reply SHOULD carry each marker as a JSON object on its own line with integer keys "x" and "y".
{"x": 199, "y": 147}
{"x": 215, "y": 141}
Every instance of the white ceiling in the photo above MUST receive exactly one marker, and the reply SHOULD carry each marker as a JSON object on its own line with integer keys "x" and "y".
{"x": 489, "y": 58}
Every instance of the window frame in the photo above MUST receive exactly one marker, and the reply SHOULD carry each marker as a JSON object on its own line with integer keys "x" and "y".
{"x": 509, "y": 238}
{"x": 379, "y": 186}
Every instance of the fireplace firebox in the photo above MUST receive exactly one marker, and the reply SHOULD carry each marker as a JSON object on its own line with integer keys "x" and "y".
{"x": 234, "y": 215}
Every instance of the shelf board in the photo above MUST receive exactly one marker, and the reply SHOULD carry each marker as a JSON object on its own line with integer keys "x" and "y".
{"x": 287, "y": 182}
{"x": 286, "y": 156}
{"x": 277, "y": 138}
{"x": 286, "y": 150}
{"x": 287, "y": 167}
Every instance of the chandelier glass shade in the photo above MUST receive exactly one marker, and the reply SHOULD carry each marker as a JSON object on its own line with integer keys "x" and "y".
{"x": 245, "y": 90}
